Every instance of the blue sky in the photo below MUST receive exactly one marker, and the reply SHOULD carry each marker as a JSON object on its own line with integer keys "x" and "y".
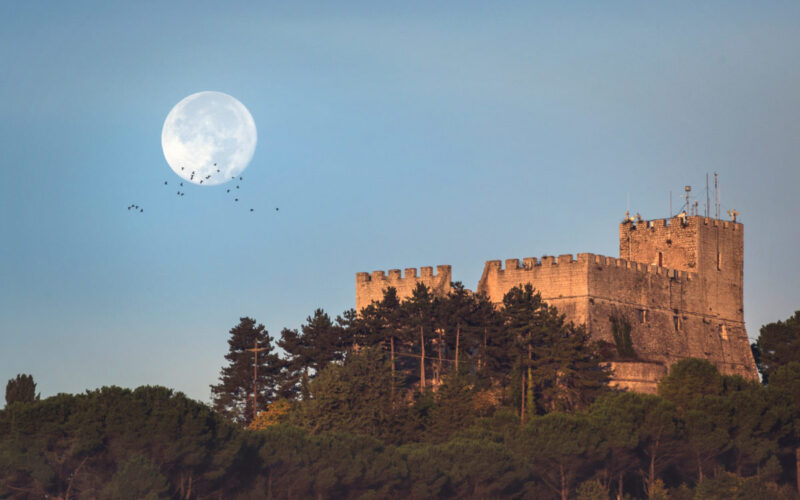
{"x": 389, "y": 136}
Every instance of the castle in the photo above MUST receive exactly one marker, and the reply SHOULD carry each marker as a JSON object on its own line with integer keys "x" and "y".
{"x": 677, "y": 283}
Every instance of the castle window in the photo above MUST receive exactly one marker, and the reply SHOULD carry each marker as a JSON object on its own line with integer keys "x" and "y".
{"x": 723, "y": 332}
{"x": 660, "y": 259}
{"x": 676, "y": 321}
{"x": 719, "y": 260}
{"x": 642, "y": 316}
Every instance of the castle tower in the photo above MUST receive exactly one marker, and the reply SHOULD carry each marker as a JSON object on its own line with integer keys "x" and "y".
{"x": 711, "y": 248}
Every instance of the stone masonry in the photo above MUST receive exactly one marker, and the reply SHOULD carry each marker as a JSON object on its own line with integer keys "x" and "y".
{"x": 678, "y": 282}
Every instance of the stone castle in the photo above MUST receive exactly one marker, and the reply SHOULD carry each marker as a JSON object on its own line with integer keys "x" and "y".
{"x": 678, "y": 283}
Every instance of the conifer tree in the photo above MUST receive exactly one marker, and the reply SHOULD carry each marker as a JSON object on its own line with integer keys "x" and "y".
{"x": 420, "y": 313}
{"x": 233, "y": 396}
{"x": 22, "y": 389}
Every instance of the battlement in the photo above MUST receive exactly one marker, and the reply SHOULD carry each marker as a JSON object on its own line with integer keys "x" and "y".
{"x": 531, "y": 263}
{"x": 370, "y": 286}
{"x": 680, "y": 222}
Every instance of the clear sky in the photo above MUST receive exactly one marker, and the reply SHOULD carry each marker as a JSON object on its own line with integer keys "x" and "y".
{"x": 418, "y": 134}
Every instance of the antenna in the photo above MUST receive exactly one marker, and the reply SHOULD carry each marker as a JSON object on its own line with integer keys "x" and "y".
{"x": 708, "y": 200}
{"x": 688, "y": 207}
{"x": 255, "y": 350}
{"x": 716, "y": 196}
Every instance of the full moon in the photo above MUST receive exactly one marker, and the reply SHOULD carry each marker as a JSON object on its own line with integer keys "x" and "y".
{"x": 208, "y": 138}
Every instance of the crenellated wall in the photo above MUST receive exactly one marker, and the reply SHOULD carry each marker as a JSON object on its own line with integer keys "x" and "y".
{"x": 370, "y": 287}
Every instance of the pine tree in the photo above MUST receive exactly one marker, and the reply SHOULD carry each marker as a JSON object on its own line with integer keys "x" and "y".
{"x": 420, "y": 315}
{"x": 233, "y": 396}
{"x": 22, "y": 389}
{"x": 558, "y": 369}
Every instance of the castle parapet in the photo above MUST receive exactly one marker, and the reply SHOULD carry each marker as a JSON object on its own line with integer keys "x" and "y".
{"x": 370, "y": 286}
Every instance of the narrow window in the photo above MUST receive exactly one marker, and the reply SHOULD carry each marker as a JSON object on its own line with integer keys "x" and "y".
{"x": 719, "y": 260}
{"x": 660, "y": 259}
{"x": 676, "y": 321}
{"x": 642, "y": 316}
{"x": 723, "y": 332}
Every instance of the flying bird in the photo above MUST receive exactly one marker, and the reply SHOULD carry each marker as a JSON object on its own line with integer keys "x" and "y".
{"x": 228, "y": 191}
{"x": 251, "y": 209}
{"x": 237, "y": 199}
{"x": 165, "y": 183}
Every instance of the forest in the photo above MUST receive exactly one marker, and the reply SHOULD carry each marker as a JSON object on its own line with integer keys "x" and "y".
{"x": 428, "y": 397}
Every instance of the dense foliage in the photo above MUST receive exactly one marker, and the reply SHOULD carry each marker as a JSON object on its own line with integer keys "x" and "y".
{"x": 22, "y": 389}
{"x": 523, "y": 414}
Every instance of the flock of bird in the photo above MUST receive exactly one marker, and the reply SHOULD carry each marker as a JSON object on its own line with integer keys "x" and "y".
{"x": 180, "y": 193}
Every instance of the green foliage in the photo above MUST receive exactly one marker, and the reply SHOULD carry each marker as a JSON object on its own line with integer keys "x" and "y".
{"x": 137, "y": 478}
{"x": 353, "y": 397}
{"x": 728, "y": 486}
{"x": 591, "y": 490}
{"x": 554, "y": 359}
{"x": 621, "y": 330}
{"x": 21, "y": 389}
{"x": 778, "y": 344}
{"x": 561, "y": 445}
{"x": 688, "y": 380}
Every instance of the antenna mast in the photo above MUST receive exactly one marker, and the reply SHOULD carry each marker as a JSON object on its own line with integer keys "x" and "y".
{"x": 716, "y": 196}
{"x": 708, "y": 200}
{"x": 255, "y": 350}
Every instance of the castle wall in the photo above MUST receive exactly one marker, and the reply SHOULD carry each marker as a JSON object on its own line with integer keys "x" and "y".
{"x": 678, "y": 285}
{"x": 562, "y": 282}
{"x": 666, "y": 308}
{"x": 370, "y": 287}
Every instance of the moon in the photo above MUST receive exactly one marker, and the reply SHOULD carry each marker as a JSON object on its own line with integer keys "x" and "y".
{"x": 206, "y": 132}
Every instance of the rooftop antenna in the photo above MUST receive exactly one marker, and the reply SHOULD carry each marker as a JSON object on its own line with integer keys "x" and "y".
{"x": 688, "y": 207}
{"x": 670, "y": 205}
{"x": 708, "y": 200}
{"x": 716, "y": 196}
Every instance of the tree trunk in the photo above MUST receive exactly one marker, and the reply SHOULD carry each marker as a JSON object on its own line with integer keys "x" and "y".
{"x": 651, "y": 479}
{"x": 699, "y": 470}
{"x": 619, "y": 488}
{"x": 422, "y": 359}
{"x": 458, "y": 335}
{"x": 564, "y": 490}
{"x": 529, "y": 393}
{"x": 391, "y": 349}
{"x": 441, "y": 342}
{"x": 797, "y": 466}
{"x": 522, "y": 399}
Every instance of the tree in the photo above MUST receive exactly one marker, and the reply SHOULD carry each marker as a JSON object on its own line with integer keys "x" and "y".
{"x": 648, "y": 421}
{"x": 419, "y": 311}
{"x": 233, "y": 396}
{"x": 784, "y": 396}
{"x": 777, "y": 344}
{"x": 137, "y": 478}
{"x": 562, "y": 445}
{"x": 21, "y": 389}
{"x": 557, "y": 366}
{"x": 689, "y": 380}
{"x": 353, "y": 397}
